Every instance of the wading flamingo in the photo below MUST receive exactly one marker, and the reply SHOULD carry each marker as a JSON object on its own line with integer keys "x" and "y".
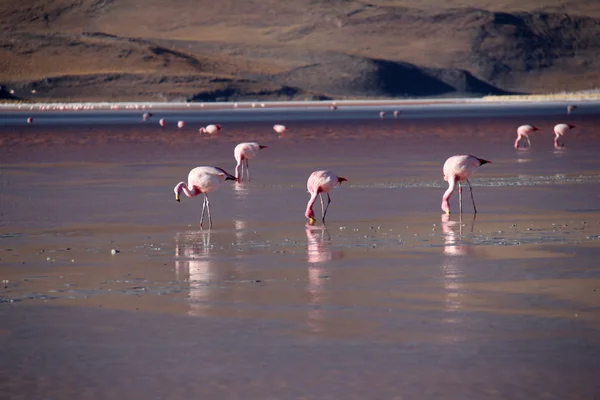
{"x": 458, "y": 169}
{"x": 570, "y": 108}
{"x": 396, "y": 114}
{"x": 162, "y": 122}
{"x": 522, "y": 132}
{"x": 320, "y": 182}
{"x": 29, "y": 120}
{"x": 145, "y": 116}
{"x": 381, "y": 114}
{"x": 210, "y": 129}
{"x": 242, "y": 153}
{"x": 203, "y": 180}
{"x": 180, "y": 124}
{"x": 559, "y": 131}
{"x": 279, "y": 128}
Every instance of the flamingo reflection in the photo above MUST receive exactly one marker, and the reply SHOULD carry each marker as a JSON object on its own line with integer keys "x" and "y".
{"x": 194, "y": 265}
{"x": 455, "y": 248}
{"x": 318, "y": 253}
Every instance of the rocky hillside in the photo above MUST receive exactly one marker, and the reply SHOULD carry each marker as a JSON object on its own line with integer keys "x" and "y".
{"x": 162, "y": 50}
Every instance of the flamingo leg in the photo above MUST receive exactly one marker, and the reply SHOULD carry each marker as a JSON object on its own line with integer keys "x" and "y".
{"x": 208, "y": 210}
{"x": 528, "y": 141}
{"x": 203, "y": 208}
{"x": 247, "y": 169}
{"x": 322, "y": 208}
{"x": 326, "y": 208}
{"x": 472, "y": 199}
{"x": 460, "y": 197}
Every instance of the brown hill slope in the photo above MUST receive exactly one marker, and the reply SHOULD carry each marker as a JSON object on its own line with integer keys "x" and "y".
{"x": 201, "y": 49}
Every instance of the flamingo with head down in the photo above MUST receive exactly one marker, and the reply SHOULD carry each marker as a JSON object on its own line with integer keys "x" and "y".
{"x": 210, "y": 129}
{"x": 203, "y": 180}
{"x": 242, "y": 153}
{"x": 559, "y": 131}
{"x": 320, "y": 182}
{"x": 522, "y": 133}
{"x": 458, "y": 169}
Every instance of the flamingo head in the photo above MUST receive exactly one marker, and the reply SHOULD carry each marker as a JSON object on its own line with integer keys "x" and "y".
{"x": 571, "y": 126}
{"x": 177, "y": 191}
{"x": 202, "y": 130}
{"x": 534, "y": 128}
{"x": 218, "y": 127}
{"x": 260, "y": 146}
{"x": 310, "y": 214}
{"x": 340, "y": 180}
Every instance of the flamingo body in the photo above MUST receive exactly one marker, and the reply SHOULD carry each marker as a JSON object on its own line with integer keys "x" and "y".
{"x": 320, "y": 182}
{"x": 522, "y": 133}
{"x": 570, "y": 108}
{"x": 279, "y": 128}
{"x": 458, "y": 169}
{"x": 210, "y": 129}
{"x": 559, "y": 131}
{"x": 202, "y": 180}
{"x": 242, "y": 153}
{"x": 180, "y": 124}
{"x": 162, "y": 122}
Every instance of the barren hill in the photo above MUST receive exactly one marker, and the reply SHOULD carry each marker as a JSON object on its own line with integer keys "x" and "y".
{"x": 267, "y": 49}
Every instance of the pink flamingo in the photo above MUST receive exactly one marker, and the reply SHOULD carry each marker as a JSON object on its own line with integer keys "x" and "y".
{"x": 203, "y": 180}
{"x": 210, "y": 129}
{"x": 145, "y": 116}
{"x": 279, "y": 128}
{"x": 320, "y": 182}
{"x": 242, "y": 153}
{"x": 396, "y": 114}
{"x": 456, "y": 170}
{"x": 522, "y": 132}
{"x": 381, "y": 114}
{"x": 332, "y": 107}
{"x": 570, "y": 108}
{"x": 29, "y": 120}
{"x": 180, "y": 124}
{"x": 559, "y": 131}
{"x": 162, "y": 122}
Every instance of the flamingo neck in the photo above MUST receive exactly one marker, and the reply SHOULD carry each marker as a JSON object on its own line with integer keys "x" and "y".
{"x": 309, "y": 211}
{"x": 182, "y": 186}
{"x": 447, "y": 194}
{"x": 237, "y": 168}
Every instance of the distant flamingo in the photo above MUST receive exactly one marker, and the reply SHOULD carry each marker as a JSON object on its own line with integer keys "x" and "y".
{"x": 279, "y": 129}
{"x": 559, "y": 131}
{"x": 396, "y": 114}
{"x": 242, "y": 153}
{"x": 210, "y": 129}
{"x": 145, "y": 116}
{"x": 203, "y": 180}
{"x": 332, "y": 107}
{"x": 381, "y": 114}
{"x": 456, "y": 170}
{"x": 522, "y": 132}
{"x": 180, "y": 124}
{"x": 162, "y": 122}
{"x": 570, "y": 108}
{"x": 29, "y": 120}
{"x": 320, "y": 182}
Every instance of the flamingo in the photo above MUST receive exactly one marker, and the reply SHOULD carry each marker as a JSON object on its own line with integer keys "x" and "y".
{"x": 320, "y": 182}
{"x": 29, "y": 120}
{"x": 279, "y": 128}
{"x": 559, "y": 131}
{"x": 180, "y": 124}
{"x": 210, "y": 129}
{"x": 381, "y": 114}
{"x": 162, "y": 122}
{"x": 522, "y": 132}
{"x": 332, "y": 107}
{"x": 145, "y": 116}
{"x": 456, "y": 170}
{"x": 570, "y": 108}
{"x": 396, "y": 114}
{"x": 203, "y": 180}
{"x": 244, "y": 152}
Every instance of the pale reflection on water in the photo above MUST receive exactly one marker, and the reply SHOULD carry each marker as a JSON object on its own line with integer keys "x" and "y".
{"x": 456, "y": 247}
{"x": 318, "y": 254}
{"x": 194, "y": 264}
